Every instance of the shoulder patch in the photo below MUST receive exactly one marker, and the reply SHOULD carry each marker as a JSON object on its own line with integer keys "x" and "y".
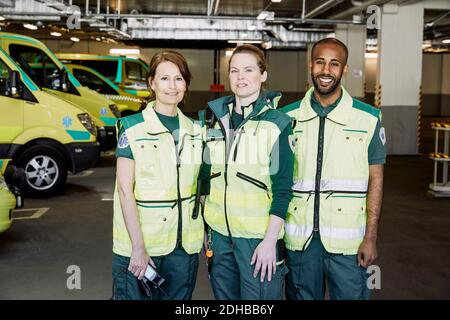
{"x": 366, "y": 108}
{"x": 383, "y": 135}
{"x": 123, "y": 141}
{"x": 290, "y": 107}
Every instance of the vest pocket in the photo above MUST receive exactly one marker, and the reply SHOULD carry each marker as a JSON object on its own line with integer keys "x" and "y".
{"x": 344, "y": 203}
{"x": 158, "y": 224}
{"x": 255, "y": 182}
{"x": 297, "y": 209}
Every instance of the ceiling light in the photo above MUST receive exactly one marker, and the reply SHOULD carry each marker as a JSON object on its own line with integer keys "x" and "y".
{"x": 244, "y": 41}
{"x": 446, "y": 41}
{"x": 276, "y": 1}
{"x": 74, "y": 39}
{"x": 371, "y": 55}
{"x": 55, "y": 34}
{"x": 263, "y": 15}
{"x": 30, "y": 26}
{"x": 124, "y": 51}
{"x": 98, "y": 39}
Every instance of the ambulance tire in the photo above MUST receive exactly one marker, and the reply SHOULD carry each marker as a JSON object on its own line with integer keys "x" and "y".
{"x": 45, "y": 169}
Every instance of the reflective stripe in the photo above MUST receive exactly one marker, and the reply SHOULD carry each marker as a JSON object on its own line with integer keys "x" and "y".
{"x": 304, "y": 185}
{"x": 330, "y": 185}
{"x": 343, "y": 233}
{"x": 297, "y": 230}
{"x": 344, "y": 185}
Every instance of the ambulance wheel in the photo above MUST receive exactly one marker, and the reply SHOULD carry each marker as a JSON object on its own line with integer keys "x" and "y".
{"x": 45, "y": 170}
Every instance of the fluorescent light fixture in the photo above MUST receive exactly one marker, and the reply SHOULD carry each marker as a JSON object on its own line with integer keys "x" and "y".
{"x": 446, "y": 41}
{"x": 371, "y": 55}
{"x": 276, "y": 1}
{"x": 55, "y": 34}
{"x": 251, "y": 27}
{"x": 123, "y": 51}
{"x": 30, "y": 26}
{"x": 244, "y": 41}
{"x": 263, "y": 15}
{"x": 74, "y": 39}
{"x": 2, "y": 18}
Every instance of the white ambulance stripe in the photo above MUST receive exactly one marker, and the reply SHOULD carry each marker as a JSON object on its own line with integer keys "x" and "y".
{"x": 338, "y": 185}
{"x": 297, "y": 231}
{"x": 343, "y": 233}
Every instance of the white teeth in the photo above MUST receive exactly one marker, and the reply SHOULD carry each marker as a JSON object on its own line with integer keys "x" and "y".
{"x": 326, "y": 80}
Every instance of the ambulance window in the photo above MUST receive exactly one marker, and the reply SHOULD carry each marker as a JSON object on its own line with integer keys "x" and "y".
{"x": 93, "y": 82}
{"x": 4, "y": 77}
{"x": 106, "y": 68}
{"x": 135, "y": 71}
{"x": 37, "y": 64}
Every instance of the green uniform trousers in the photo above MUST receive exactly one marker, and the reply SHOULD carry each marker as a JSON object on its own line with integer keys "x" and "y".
{"x": 312, "y": 269}
{"x": 179, "y": 269}
{"x": 231, "y": 273}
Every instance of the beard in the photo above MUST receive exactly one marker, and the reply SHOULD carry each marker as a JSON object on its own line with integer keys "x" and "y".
{"x": 328, "y": 91}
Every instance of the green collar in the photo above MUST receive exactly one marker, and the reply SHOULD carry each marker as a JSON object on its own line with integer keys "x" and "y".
{"x": 155, "y": 125}
{"x": 321, "y": 110}
{"x": 266, "y": 100}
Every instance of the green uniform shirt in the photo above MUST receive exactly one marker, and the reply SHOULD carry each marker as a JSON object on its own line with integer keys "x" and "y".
{"x": 377, "y": 150}
{"x": 123, "y": 148}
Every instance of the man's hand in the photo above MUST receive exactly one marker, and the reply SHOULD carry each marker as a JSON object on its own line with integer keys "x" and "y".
{"x": 367, "y": 253}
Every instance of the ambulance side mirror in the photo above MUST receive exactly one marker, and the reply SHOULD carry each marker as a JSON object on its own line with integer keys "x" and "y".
{"x": 15, "y": 86}
{"x": 64, "y": 80}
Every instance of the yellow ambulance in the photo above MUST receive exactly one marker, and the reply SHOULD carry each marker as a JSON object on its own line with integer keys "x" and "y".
{"x": 130, "y": 74}
{"x": 127, "y": 103}
{"x": 41, "y": 133}
{"x": 8, "y": 201}
{"x": 42, "y": 66}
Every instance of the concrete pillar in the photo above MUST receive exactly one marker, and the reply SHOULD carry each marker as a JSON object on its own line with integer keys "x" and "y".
{"x": 400, "y": 74}
{"x": 354, "y": 38}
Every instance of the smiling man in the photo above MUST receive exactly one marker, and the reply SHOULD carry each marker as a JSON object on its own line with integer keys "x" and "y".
{"x": 332, "y": 221}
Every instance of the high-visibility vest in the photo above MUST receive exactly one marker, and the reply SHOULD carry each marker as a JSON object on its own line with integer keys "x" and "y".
{"x": 241, "y": 192}
{"x": 165, "y": 184}
{"x": 341, "y": 191}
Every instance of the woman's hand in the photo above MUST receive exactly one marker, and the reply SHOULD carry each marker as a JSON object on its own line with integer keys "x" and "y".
{"x": 265, "y": 259}
{"x": 139, "y": 261}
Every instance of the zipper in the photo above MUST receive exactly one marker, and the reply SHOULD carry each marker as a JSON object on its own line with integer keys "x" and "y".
{"x": 237, "y": 143}
{"x": 180, "y": 211}
{"x": 225, "y": 177}
{"x": 318, "y": 173}
{"x": 253, "y": 181}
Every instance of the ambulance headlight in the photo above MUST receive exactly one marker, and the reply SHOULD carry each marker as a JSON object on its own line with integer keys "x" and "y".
{"x": 87, "y": 122}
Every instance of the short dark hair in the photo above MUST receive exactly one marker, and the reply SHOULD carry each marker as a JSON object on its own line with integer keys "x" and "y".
{"x": 332, "y": 41}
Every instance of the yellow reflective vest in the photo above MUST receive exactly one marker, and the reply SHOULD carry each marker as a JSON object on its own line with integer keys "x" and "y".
{"x": 331, "y": 172}
{"x": 240, "y": 194}
{"x": 165, "y": 184}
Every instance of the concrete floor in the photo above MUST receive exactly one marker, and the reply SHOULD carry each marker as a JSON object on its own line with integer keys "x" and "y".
{"x": 414, "y": 239}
